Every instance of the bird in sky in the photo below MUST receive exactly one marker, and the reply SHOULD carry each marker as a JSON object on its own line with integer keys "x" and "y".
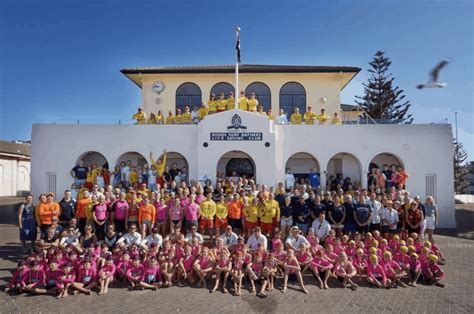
{"x": 434, "y": 75}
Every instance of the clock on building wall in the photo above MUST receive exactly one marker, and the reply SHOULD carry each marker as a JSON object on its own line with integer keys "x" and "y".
{"x": 158, "y": 87}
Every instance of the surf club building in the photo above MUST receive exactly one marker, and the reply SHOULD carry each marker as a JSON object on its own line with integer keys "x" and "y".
{"x": 250, "y": 143}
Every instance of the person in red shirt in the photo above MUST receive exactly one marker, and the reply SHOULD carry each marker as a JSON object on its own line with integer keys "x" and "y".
{"x": 234, "y": 213}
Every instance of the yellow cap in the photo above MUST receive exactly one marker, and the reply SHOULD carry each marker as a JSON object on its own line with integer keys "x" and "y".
{"x": 373, "y": 250}
{"x": 373, "y": 257}
{"x": 375, "y": 243}
{"x": 402, "y": 242}
{"x": 414, "y": 255}
{"x": 387, "y": 254}
{"x": 396, "y": 237}
{"x": 412, "y": 248}
{"x": 427, "y": 244}
{"x": 433, "y": 258}
{"x": 404, "y": 249}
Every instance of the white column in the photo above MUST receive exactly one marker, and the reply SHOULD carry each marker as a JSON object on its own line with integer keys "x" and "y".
{"x": 363, "y": 178}
{"x": 322, "y": 178}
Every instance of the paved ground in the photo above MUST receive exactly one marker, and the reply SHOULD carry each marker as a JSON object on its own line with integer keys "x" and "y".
{"x": 456, "y": 297}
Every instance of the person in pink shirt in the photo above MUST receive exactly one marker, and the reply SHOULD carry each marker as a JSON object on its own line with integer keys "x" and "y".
{"x": 321, "y": 267}
{"x": 402, "y": 258}
{"x": 270, "y": 270}
{"x": 168, "y": 268}
{"x": 65, "y": 281}
{"x": 360, "y": 263}
{"x": 86, "y": 278}
{"x": 176, "y": 214}
{"x": 304, "y": 258}
{"x": 351, "y": 249}
{"x": 345, "y": 271}
{"x": 106, "y": 274}
{"x": 161, "y": 216}
{"x": 119, "y": 213}
{"x": 35, "y": 277}
{"x": 415, "y": 269}
{"x": 151, "y": 278}
{"x": 192, "y": 213}
{"x": 292, "y": 267}
{"x": 238, "y": 273}
{"x": 223, "y": 267}
{"x": 394, "y": 243}
{"x": 433, "y": 273}
{"x": 255, "y": 273}
{"x": 185, "y": 266}
{"x": 277, "y": 239}
{"x": 17, "y": 283}
{"x": 52, "y": 275}
{"x": 392, "y": 270}
{"x": 203, "y": 266}
{"x": 135, "y": 274}
{"x": 123, "y": 266}
{"x": 100, "y": 215}
{"x": 376, "y": 274}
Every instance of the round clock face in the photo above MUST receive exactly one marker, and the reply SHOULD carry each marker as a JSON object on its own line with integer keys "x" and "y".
{"x": 158, "y": 86}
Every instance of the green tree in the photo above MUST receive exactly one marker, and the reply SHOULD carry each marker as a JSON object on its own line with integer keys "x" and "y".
{"x": 382, "y": 100}
{"x": 460, "y": 171}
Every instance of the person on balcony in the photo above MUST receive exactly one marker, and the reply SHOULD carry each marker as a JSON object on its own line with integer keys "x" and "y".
{"x": 202, "y": 111}
{"x": 140, "y": 116}
{"x": 230, "y": 101}
{"x": 160, "y": 118}
{"x": 212, "y": 104}
{"x": 195, "y": 115}
{"x": 178, "y": 118}
{"x": 243, "y": 101}
{"x": 151, "y": 119}
{"x": 252, "y": 103}
{"x": 309, "y": 116}
{"x": 296, "y": 117}
{"x": 282, "y": 118}
{"x": 270, "y": 114}
{"x": 186, "y": 119}
{"x": 323, "y": 117}
{"x": 260, "y": 110}
{"x": 170, "y": 119}
{"x": 221, "y": 103}
{"x": 336, "y": 120}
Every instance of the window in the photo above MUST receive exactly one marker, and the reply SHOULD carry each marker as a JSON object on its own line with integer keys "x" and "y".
{"x": 188, "y": 94}
{"x": 292, "y": 95}
{"x": 262, "y": 93}
{"x": 430, "y": 182}
{"x": 222, "y": 87}
{"x": 51, "y": 182}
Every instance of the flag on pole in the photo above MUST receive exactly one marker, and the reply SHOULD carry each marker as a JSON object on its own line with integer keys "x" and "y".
{"x": 237, "y": 46}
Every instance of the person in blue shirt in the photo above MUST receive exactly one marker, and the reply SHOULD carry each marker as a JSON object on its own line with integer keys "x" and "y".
{"x": 301, "y": 214}
{"x": 349, "y": 221}
{"x": 362, "y": 215}
{"x": 314, "y": 178}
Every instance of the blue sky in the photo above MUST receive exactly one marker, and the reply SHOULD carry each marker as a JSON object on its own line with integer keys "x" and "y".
{"x": 60, "y": 60}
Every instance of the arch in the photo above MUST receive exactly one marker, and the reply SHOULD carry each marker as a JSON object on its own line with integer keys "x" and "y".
{"x": 178, "y": 159}
{"x": 135, "y": 158}
{"x": 23, "y": 178}
{"x": 188, "y": 94}
{"x": 262, "y": 93}
{"x": 222, "y": 87}
{"x": 380, "y": 159}
{"x": 238, "y": 161}
{"x": 302, "y": 164}
{"x": 347, "y": 165}
{"x": 93, "y": 157}
{"x": 293, "y": 95}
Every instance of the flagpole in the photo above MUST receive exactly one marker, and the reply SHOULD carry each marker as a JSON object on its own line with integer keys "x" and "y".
{"x": 237, "y": 61}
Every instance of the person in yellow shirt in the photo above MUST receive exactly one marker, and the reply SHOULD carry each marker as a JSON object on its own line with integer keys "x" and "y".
{"x": 270, "y": 115}
{"x": 309, "y": 116}
{"x": 231, "y": 101}
{"x": 252, "y": 103}
{"x": 140, "y": 116}
{"x": 202, "y": 111}
{"x": 336, "y": 120}
{"x": 133, "y": 176}
{"x": 296, "y": 117}
{"x": 270, "y": 218}
{"x": 243, "y": 101}
{"x": 95, "y": 171}
{"x": 151, "y": 119}
{"x": 178, "y": 118}
{"x": 212, "y": 104}
{"x": 208, "y": 211}
{"x": 170, "y": 119}
{"x": 323, "y": 117}
{"x": 221, "y": 103}
{"x": 186, "y": 116}
{"x": 260, "y": 110}
{"x": 160, "y": 163}
{"x": 160, "y": 118}
{"x": 251, "y": 214}
{"x": 221, "y": 215}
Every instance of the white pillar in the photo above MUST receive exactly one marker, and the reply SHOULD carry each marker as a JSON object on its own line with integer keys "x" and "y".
{"x": 322, "y": 178}
{"x": 363, "y": 178}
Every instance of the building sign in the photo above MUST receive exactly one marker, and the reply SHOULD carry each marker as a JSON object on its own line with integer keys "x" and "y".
{"x": 236, "y": 135}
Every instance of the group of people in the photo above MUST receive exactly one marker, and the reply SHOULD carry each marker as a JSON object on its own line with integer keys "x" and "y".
{"x": 150, "y": 237}
{"x": 195, "y": 115}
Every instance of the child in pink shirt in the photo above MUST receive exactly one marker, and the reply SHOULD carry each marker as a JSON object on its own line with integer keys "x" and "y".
{"x": 415, "y": 269}
{"x": 375, "y": 273}
{"x": 65, "y": 281}
{"x": 238, "y": 273}
{"x": 270, "y": 270}
{"x": 345, "y": 271}
{"x": 35, "y": 277}
{"x": 123, "y": 266}
{"x": 292, "y": 267}
{"x": 106, "y": 274}
{"x": 255, "y": 273}
{"x": 152, "y": 278}
{"x": 392, "y": 270}
{"x": 185, "y": 266}
{"x": 223, "y": 267}
{"x": 360, "y": 263}
{"x": 203, "y": 266}
{"x": 135, "y": 274}
{"x": 321, "y": 267}
{"x": 304, "y": 258}
{"x": 86, "y": 278}
{"x": 18, "y": 280}
{"x": 52, "y": 275}
{"x": 433, "y": 273}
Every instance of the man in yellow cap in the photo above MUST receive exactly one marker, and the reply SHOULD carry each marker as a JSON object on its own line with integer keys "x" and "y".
{"x": 309, "y": 116}
{"x": 296, "y": 117}
{"x": 323, "y": 117}
{"x": 252, "y": 103}
{"x": 231, "y": 101}
{"x": 221, "y": 103}
{"x": 212, "y": 104}
{"x": 140, "y": 116}
{"x": 243, "y": 101}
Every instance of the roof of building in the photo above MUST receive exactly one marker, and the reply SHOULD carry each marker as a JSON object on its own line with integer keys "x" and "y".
{"x": 346, "y": 107}
{"x": 243, "y": 68}
{"x": 14, "y": 148}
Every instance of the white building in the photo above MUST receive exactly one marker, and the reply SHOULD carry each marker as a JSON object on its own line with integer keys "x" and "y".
{"x": 14, "y": 169}
{"x": 249, "y": 142}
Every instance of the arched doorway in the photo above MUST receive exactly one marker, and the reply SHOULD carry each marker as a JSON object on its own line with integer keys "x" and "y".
{"x": 93, "y": 158}
{"x": 342, "y": 166}
{"x": 178, "y": 164}
{"x": 388, "y": 159}
{"x": 136, "y": 159}
{"x": 262, "y": 94}
{"x": 237, "y": 161}
{"x": 302, "y": 165}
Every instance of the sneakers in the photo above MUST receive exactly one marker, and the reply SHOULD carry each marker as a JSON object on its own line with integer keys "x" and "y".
{"x": 439, "y": 284}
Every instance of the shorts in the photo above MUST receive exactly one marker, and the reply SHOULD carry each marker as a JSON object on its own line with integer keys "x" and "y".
{"x": 221, "y": 223}
{"x": 374, "y": 227}
{"x": 189, "y": 223}
{"x": 385, "y": 229}
{"x": 266, "y": 227}
{"x": 160, "y": 221}
{"x": 250, "y": 225}
{"x": 175, "y": 221}
{"x": 393, "y": 231}
{"x": 430, "y": 223}
{"x": 209, "y": 223}
{"x": 350, "y": 227}
{"x": 288, "y": 223}
{"x": 235, "y": 223}
{"x": 363, "y": 229}
{"x": 303, "y": 227}
{"x": 79, "y": 182}
{"x": 146, "y": 222}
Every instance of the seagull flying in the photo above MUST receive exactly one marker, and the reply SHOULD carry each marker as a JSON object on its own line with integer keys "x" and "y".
{"x": 434, "y": 75}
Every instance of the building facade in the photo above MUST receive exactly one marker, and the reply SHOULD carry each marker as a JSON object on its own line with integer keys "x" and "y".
{"x": 14, "y": 169}
{"x": 249, "y": 142}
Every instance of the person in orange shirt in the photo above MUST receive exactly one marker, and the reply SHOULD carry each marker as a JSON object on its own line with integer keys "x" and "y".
{"x": 146, "y": 216}
{"x": 54, "y": 207}
{"x": 81, "y": 210}
{"x": 234, "y": 213}
{"x": 43, "y": 214}
{"x": 402, "y": 177}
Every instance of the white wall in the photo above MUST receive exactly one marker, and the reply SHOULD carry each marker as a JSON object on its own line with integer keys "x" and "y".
{"x": 14, "y": 176}
{"x": 423, "y": 149}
